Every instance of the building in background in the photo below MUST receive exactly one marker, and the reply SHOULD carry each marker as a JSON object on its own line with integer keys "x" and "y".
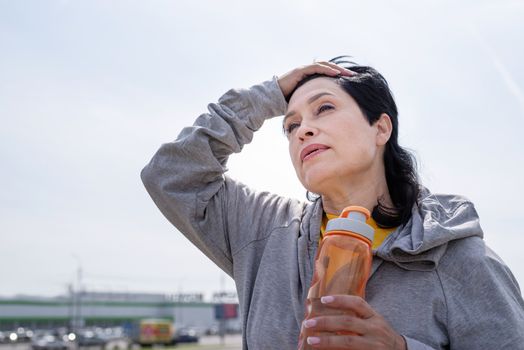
{"x": 104, "y": 309}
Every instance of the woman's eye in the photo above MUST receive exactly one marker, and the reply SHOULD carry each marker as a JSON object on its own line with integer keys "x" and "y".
{"x": 290, "y": 128}
{"x": 324, "y": 108}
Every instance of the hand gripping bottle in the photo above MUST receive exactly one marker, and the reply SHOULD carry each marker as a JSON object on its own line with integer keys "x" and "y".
{"x": 342, "y": 264}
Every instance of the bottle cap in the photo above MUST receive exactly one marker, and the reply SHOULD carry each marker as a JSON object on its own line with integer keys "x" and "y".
{"x": 352, "y": 219}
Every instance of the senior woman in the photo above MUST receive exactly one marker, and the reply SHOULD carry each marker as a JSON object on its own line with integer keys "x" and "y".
{"x": 434, "y": 284}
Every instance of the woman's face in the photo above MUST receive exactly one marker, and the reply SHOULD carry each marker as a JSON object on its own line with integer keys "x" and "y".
{"x": 331, "y": 142}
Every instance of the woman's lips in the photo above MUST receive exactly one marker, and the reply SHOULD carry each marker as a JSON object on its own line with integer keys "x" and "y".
{"x": 312, "y": 150}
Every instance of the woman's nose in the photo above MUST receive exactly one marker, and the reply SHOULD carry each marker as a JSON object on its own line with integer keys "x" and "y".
{"x": 306, "y": 131}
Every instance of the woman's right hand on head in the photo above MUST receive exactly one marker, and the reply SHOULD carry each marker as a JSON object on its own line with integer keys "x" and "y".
{"x": 289, "y": 81}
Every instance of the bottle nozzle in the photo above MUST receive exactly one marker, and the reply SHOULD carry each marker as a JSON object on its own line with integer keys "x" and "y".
{"x": 356, "y": 213}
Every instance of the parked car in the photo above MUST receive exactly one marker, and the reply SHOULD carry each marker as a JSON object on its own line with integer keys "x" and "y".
{"x": 90, "y": 338}
{"x": 4, "y": 338}
{"x": 213, "y": 330}
{"x": 186, "y": 335}
{"x": 12, "y": 336}
{"x": 49, "y": 342}
{"x": 23, "y": 335}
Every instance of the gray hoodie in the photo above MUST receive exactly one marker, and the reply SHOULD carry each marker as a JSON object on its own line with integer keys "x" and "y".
{"x": 434, "y": 280}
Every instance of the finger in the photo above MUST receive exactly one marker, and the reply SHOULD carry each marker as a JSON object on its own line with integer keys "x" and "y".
{"x": 349, "y": 302}
{"x": 326, "y": 68}
{"x": 355, "y": 342}
{"x": 342, "y": 70}
{"x": 346, "y": 323}
{"x": 320, "y": 68}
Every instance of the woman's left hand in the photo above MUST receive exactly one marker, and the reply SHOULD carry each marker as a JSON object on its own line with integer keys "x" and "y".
{"x": 371, "y": 330}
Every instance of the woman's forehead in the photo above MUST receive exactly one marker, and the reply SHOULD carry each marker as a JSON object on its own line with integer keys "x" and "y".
{"x": 314, "y": 87}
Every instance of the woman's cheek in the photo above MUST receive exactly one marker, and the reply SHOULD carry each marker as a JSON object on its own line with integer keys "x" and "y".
{"x": 295, "y": 159}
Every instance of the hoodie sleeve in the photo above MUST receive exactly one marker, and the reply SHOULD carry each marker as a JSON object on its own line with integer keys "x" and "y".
{"x": 485, "y": 309}
{"x": 185, "y": 178}
{"x": 412, "y": 344}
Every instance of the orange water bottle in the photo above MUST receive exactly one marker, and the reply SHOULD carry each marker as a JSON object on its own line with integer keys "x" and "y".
{"x": 342, "y": 264}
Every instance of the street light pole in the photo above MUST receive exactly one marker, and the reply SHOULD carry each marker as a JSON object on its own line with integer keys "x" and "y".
{"x": 222, "y": 322}
{"x": 77, "y": 304}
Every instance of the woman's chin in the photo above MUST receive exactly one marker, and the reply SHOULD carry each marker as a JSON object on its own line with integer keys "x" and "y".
{"x": 315, "y": 184}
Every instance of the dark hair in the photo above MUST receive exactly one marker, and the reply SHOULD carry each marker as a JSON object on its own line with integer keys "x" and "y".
{"x": 371, "y": 92}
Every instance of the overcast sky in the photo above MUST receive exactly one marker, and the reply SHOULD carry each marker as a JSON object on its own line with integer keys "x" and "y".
{"x": 90, "y": 89}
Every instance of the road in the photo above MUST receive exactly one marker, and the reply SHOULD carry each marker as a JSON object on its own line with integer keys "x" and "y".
{"x": 231, "y": 342}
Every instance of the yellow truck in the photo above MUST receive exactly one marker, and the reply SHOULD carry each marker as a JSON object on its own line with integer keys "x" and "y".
{"x": 154, "y": 331}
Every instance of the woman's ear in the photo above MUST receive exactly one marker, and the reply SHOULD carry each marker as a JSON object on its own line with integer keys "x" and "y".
{"x": 384, "y": 129}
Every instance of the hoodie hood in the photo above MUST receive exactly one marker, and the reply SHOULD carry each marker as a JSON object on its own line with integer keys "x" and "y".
{"x": 435, "y": 221}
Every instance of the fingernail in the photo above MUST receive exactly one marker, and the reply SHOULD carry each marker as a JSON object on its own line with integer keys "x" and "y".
{"x": 310, "y": 323}
{"x": 313, "y": 340}
{"x": 327, "y": 299}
